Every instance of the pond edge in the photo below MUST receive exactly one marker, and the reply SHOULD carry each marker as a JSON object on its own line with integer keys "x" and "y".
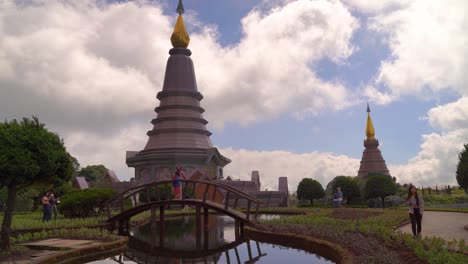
{"x": 323, "y": 248}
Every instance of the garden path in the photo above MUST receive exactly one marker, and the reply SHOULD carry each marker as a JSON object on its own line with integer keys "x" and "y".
{"x": 447, "y": 225}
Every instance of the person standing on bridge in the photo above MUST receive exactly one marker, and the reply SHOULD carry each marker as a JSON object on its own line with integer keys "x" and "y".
{"x": 416, "y": 209}
{"x": 176, "y": 184}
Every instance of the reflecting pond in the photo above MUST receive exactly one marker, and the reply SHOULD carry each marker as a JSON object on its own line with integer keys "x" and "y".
{"x": 218, "y": 245}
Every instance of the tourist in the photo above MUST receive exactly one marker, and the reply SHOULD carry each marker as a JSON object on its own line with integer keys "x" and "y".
{"x": 335, "y": 199}
{"x": 416, "y": 209}
{"x": 340, "y": 196}
{"x": 46, "y": 207}
{"x": 53, "y": 205}
{"x": 176, "y": 185}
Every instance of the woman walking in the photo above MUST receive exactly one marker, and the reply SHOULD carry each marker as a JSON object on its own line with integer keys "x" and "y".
{"x": 416, "y": 209}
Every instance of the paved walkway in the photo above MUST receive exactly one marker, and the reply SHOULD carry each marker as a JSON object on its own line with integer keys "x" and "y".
{"x": 447, "y": 225}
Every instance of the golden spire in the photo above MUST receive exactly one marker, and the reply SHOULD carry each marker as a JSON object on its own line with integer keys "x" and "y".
{"x": 370, "y": 132}
{"x": 180, "y": 37}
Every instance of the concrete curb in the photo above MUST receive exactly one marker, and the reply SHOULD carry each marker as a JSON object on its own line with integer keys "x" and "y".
{"x": 323, "y": 248}
{"x": 81, "y": 255}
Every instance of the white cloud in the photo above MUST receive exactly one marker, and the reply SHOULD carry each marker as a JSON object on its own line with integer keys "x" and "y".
{"x": 373, "y": 7}
{"x": 436, "y": 162}
{"x": 91, "y": 148}
{"x": 322, "y": 167}
{"x": 428, "y": 40}
{"x": 376, "y": 96}
{"x": 451, "y": 116}
{"x": 90, "y": 70}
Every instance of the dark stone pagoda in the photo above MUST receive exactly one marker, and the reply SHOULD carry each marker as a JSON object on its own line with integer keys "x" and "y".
{"x": 179, "y": 135}
{"x": 372, "y": 161}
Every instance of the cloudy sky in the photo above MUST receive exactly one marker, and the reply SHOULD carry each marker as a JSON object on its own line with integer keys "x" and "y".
{"x": 285, "y": 81}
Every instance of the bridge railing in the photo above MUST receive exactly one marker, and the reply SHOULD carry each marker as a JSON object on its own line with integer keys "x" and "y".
{"x": 162, "y": 190}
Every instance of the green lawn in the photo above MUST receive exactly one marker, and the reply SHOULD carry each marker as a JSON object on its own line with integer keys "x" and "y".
{"x": 371, "y": 238}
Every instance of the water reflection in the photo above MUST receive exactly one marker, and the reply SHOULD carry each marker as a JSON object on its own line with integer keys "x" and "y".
{"x": 218, "y": 244}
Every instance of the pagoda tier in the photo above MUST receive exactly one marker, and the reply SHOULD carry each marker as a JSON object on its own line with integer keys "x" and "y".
{"x": 372, "y": 161}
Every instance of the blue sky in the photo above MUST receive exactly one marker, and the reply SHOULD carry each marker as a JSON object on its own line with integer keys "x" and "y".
{"x": 285, "y": 90}
{"x": 399, "y": 127}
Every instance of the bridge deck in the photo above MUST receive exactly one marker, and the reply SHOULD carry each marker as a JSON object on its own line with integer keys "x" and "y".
{"x": 210, "y": 204}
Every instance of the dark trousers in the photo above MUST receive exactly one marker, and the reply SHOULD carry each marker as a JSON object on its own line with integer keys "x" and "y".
{"x": 47, "y": 212}
{"x": 416, "y": 218}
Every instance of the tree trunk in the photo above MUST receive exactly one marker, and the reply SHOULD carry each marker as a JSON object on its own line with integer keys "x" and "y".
{"x": 347, "y": 201}
{"x": 312, "y": 202}
{"x": 383, "y": 202}
{"x": 7, "y": 217}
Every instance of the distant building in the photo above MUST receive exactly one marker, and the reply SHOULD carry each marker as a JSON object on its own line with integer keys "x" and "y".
{"x": 80, "y": 183}
{"x": 278, "y": 198}
{"x": 372, "y": 160}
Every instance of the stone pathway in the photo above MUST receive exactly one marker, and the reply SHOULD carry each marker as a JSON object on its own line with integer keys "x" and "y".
{"x": 447, "y": 225}
{"x": 51, "y": 246}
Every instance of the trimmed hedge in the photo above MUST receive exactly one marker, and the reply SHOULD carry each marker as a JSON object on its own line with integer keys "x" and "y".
{"x": 85, "y": 203}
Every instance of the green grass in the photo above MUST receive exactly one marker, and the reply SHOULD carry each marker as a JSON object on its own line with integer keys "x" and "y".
{"x": 79, "y": 233}
{"x": 34, "y": 220}
{"x": 370, "y": 236}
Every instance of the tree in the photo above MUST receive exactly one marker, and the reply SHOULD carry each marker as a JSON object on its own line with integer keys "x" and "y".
{"x": 93, "y": 173}
{"x": 379, "y": 186}
{"x": 349, "y": 187}
{"x": 462, "y": 169}
{"x": 309, "y": 189}
{"x": 29, "y": 154}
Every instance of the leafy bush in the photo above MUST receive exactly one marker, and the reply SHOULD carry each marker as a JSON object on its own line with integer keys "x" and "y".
{"x": 85, "y": 203}
{"x": 162, "y": 192}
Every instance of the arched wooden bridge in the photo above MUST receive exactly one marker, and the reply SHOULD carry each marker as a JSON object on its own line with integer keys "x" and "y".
{"x": 198, "y": 194}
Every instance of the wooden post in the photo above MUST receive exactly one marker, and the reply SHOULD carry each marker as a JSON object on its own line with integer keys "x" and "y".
{"x": 121, "y": 227}
{"x": 248, "y": 209}
{"x": 237, "y": 255}
{"x": 241, "y": 229}
{"x": 249, "y": 250}
{"x": 109, "y": 214}
{"x": 205, "y": 227}
{"x": 256, "y": 211}
{"x": 122, "y": 208}
{"x": 214, "y": 194}
{"x": 148, "y": 198}
{"x": 228, "y": 260}
{"x": 207, "y": 186}
{"x": 258, "y": 248}
{"x": 198, "y": 225}
{"x": 235, "y": 201}
{"x": 157, "y": 193}
{"x": 236, "y": 229}
{"x": 135, "y": 202}
{"x": 226, "y": 200}
{"x": 194, "y": 191}
{"x": 153, "y": 224}
{"x": 153, "y": 216}
{"x": 161, "y": 226}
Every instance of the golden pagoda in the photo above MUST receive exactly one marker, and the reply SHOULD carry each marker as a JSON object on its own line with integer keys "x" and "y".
{"x": 372, "y": 161}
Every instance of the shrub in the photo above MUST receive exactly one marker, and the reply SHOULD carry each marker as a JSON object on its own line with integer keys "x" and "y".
{"x": 85, "y": 203}
{"x": 163, "y": 192}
